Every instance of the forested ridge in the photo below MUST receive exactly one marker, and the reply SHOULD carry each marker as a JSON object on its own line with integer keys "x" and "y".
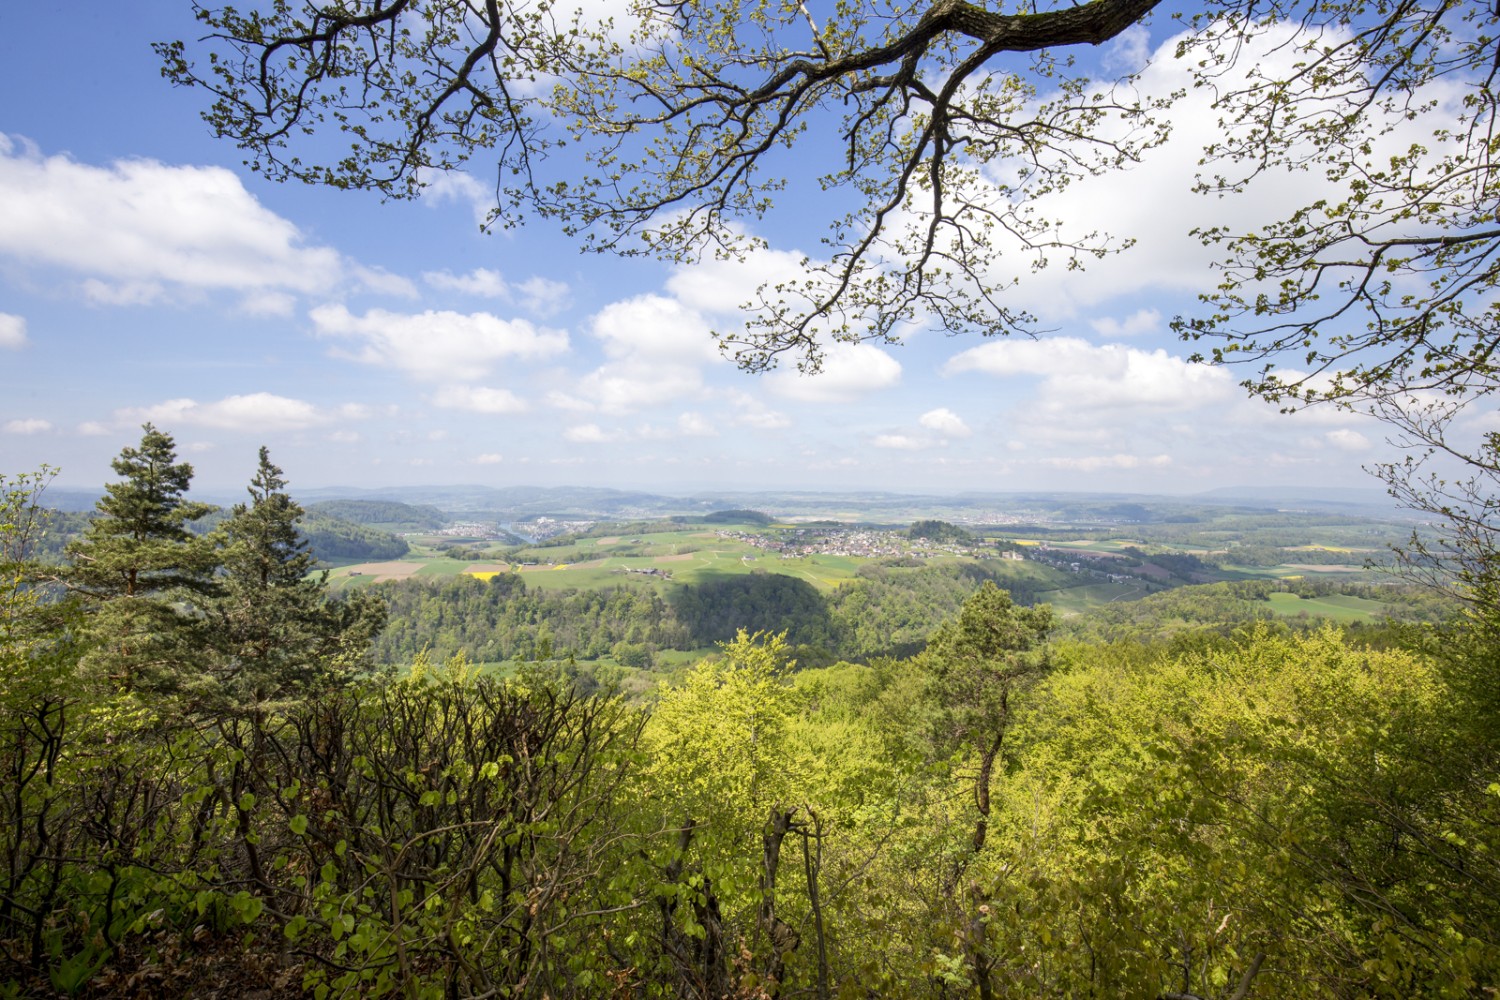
{"x": 209, "y": 790}
{"x": 884, "y": 611}
{"x": 209, "y": 787}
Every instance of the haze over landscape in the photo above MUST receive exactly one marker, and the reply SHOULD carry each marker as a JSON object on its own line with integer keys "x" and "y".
{"x": 147, "y": 275}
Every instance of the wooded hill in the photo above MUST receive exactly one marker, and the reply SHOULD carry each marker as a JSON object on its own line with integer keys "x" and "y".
{"x": 207, "y": 791}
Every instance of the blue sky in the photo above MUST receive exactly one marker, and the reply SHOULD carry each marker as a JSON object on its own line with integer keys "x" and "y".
{"x": 146, "y": 275}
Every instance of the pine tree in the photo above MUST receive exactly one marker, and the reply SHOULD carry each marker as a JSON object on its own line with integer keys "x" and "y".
{"x": 141, "y": 570}
{"x": 275, "y": 633}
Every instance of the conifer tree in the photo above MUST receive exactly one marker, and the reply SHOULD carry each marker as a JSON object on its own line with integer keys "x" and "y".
{"x": 275, "y": 633}
{"x": 141, "y": 569}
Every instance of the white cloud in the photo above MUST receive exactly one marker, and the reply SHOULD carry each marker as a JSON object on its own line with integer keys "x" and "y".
{"x": 27, "y": 425}
{"x": 654, "y": 328}
{"x": 94, "y": 428}
{"x": 1140, "y": 322}
{"x": 764, "y": 420}
{"x": 589, "y": 434}
{"x": 1079, "y": 376}
{"x": 945, "y": 422}
{"x": 695, "y": 425}
{"x": 624, "y": 387}
{"x": 751, "y": 412}
{"x": 12, "y": 331}
{"x": 543, "y": 296}
{"x": 479, "y": 399}
{"x": 441, "y": 186}
{"x": 437, "y": 345}
{"x": 562, "y": 401}
{"x": 1128, "y": 50}
{"x": 721, "y": 286}
{"x": 123, "y": 293}
{"x": 268, "y": 303}
{"x": 140, "y": 227}
{"x": 256, "y": 412}
{"x": 1152, "y": 202}
{"x": 1347, "y": 440}
{"x": 378, "y": 279}
{"x": 481, "y": 281}
{"x": 489, "y": 458}
{"x": 849, "y": 371}
{"x": 344, "y": 437}
{"x": 900, "y": 442}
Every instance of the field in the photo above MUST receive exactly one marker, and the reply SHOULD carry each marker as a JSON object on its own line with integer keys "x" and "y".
{"x": 664, "y": 561}
{"x": 1337, "y": 607}
{"x": 659, "y": 560}
{"x": 1075, "y": 600}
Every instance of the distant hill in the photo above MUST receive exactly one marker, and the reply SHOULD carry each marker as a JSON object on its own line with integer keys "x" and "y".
{"x": 387, "y": 513}
{"x": 1368, "y": 501}
{"x": 339, "y": 540}
{"x": 939, "y": 531}
{"x": 736, "y": 517}
{"x": 332, "y": 539}
{"x": 508, "y": 503}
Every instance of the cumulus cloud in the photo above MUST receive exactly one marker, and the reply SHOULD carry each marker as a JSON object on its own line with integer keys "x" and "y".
{"x": 437, "y": 345}
{"x": 123, "y": 293}
{"x": 656, "y": 347}
{"x": 256, "y": 412}
{"x": 481, "y": 281}
{"x": 625, "y": 387}
{"x": 489, "y": 458}
{"x": 695, "y": 425}
{"x": 1153, "y": 203}
{"x": 721, "y": 286}
{"x": 899, "y": 442}
{"x": 1140, "y": 322}
{"x": 654, "y": 328}
{"x": 944, "y": 421}
{"x": 478, "y": 399}
{"x": 543, "y": 296}
{"x": 1078, "y": 376}
{"x": 12, "y": 331}
{"x": 26, "y": 425}
{"x": 1347, "y": 440}
{"x": 590, "y": 434}
{"x": 849, "y": 371}
{"x": 747, "y": 411}
{"x": 267, "y": 303}
{"x": 442, "y": 186}
{"x": 138, "y": 228}
{"x": 537, "y": 295}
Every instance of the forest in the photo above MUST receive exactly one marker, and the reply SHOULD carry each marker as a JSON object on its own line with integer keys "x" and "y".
{"x": 220, "y": 779}
{"x": 210, "y": 787}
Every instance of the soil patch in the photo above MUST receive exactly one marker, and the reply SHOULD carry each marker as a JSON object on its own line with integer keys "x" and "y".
{"x": 386, "y": 570}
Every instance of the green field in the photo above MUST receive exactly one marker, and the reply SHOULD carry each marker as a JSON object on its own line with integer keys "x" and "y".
{"x": 1337, "y": 607}
{"x": 1075, "y": 600}
{"x": 1333, "y": 571}
{"x": 689, "y": 556}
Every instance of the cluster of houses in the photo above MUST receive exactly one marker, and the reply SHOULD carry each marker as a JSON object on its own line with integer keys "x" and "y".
{"x": 864, "y": 543}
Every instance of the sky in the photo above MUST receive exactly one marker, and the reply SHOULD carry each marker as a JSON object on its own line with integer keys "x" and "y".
{"x": 147, "y": 275}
